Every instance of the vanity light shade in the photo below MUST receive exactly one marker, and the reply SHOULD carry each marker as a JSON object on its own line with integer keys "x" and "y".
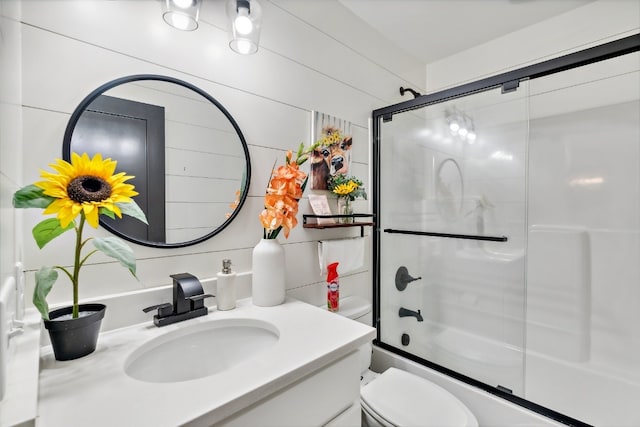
{"x": 244, "y": 19}
{"x": 182, "y": 14}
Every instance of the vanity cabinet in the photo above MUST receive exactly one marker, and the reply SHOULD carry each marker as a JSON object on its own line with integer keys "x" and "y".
{"x": 324, "y": 397}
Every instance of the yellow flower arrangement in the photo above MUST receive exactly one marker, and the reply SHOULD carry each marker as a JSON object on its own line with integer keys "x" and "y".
{"x": 345, "y": 189}
{"x": 85, "y": 188}
{"x": 285, "y": 188}
{"x": 348, "y": 187}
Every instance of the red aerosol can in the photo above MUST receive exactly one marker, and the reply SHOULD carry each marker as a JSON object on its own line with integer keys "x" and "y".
{"x": 333, "y": 287}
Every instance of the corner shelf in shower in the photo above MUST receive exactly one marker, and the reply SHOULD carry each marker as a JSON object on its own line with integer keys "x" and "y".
{"x": 355, "y": 223}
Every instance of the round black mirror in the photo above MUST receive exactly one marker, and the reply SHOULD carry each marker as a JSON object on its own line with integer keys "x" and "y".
{"x": 189, "y": 158}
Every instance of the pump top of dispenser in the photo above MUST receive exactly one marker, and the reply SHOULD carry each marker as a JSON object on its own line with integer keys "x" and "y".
{"x": 226, "y": 266}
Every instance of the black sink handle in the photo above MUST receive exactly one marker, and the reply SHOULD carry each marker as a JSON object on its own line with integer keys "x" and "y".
{"x": 164, "y": 309}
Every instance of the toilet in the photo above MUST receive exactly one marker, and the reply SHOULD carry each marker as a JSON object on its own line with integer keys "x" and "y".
{"x": 398, "y": 398}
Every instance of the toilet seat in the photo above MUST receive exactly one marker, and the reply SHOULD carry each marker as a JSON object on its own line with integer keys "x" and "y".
{"x": 399, "y": 398}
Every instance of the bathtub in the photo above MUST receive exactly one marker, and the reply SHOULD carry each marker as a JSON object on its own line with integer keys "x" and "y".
{"x": 489, "y": 410}
{"x": 598, "y": 397}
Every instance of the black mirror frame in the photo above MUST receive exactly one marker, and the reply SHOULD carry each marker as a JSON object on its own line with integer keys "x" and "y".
{"x": 66, "y": 151}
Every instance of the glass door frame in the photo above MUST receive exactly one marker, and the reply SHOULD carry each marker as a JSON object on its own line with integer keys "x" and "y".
{"x": 508, "y": 81}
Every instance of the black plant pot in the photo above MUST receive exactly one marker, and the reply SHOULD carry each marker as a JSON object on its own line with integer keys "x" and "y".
{"x": 74, "y": 338}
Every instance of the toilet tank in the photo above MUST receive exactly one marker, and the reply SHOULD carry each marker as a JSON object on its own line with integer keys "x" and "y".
{"x": 356, "y": 308}
{"x": 359, "y": 309}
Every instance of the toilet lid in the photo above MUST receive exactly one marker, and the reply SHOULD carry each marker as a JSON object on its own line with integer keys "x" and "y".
{"x": 353, "y": 307}
{"x": 404, "y": 399}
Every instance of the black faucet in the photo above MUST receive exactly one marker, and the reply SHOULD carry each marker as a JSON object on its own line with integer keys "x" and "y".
{"x": 403, "y": 312}
{"x": 188, "y": 301}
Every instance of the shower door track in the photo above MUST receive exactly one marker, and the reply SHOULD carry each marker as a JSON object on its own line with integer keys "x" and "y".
{"x": 508, "y": 81}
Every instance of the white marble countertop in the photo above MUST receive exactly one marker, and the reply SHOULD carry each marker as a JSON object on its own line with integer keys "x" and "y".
{"x": 94, "y": 390}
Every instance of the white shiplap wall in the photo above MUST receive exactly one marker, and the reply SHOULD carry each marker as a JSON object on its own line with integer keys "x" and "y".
{"x": 72, "y": 47}
{"x": 10, "y": 135}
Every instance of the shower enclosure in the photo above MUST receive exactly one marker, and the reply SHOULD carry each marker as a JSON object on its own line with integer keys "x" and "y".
{"x": 508, "y": 234}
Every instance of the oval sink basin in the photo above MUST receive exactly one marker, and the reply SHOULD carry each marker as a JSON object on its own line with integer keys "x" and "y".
{"x": 200, "y": 350}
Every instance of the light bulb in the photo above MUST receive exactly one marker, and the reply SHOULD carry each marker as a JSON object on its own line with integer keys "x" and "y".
{"x": 183, "y": 4}
{"x": 454, "y": 127}
{"x": 471, "y": 136}
{"x": 179, "y": 21}
{"x": 463, "y": 132}
{"x": 242, "y": 23}
{"x": 244, "y": 46}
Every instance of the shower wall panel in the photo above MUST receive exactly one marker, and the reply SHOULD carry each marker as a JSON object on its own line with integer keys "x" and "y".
{"x": 583, "y": 298}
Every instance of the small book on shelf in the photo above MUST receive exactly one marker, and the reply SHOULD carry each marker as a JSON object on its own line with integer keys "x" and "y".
{"x": 320, "y": 206}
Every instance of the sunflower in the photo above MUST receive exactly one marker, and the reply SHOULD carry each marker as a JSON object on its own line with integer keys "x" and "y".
{"x": 345, "y": 189}
{"x": 85, "y": 185}
{"x": 330, "y": 136}
{"x": 346, "y": 186}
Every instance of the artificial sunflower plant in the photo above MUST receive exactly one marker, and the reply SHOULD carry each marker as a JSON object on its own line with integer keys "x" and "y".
{"x": 78, "y": 193}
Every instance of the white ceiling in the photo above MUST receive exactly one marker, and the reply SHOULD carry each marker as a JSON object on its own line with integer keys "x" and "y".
{"x": 434, "y": 29}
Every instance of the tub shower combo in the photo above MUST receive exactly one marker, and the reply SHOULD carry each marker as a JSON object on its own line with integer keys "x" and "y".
{"x": 508, "y": 234}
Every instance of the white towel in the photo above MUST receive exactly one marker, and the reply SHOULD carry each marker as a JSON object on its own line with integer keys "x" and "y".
{"x": 348, "y": 253}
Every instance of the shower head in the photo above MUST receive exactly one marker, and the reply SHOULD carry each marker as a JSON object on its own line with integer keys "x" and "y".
{"x": 406, "y": 89}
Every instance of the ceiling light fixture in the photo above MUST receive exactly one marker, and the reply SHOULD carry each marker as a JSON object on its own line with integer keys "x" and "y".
{"x": 182, "y": 14}
{"x": 244, "y": 18}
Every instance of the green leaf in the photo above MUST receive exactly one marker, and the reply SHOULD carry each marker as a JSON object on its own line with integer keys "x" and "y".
{"x": 107, "y": 212}
{"x": 118, "y": 249}
{"x": 31, "y": 197}
{"x": 47, "y": 230}
{"x": 132, "y": 209}
{"x": 45, "y": 278}
{"x": 304, "y": 183}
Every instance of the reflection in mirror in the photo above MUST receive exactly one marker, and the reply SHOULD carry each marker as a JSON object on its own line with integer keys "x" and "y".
{"x": 190, "y": 160}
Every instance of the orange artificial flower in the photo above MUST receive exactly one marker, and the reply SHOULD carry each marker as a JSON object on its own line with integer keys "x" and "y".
{"x": 283, "y": 192}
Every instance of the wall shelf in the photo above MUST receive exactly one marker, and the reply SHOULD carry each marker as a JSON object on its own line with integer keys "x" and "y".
{"x": 355, "y": 223}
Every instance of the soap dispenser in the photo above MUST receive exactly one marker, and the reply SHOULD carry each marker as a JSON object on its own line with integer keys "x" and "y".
{"x": 226, "y": 287}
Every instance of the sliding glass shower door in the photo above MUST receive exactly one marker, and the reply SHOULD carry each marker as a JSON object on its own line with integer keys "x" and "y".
{"x": 508, "y": 240}
{"x": 452, "y": 221}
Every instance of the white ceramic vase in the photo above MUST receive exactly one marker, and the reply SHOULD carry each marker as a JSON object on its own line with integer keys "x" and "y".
{"x": 268, "y": 275}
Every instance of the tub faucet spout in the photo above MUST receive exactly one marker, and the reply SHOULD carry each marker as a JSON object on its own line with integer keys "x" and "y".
{"x": 403, "y": 312}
